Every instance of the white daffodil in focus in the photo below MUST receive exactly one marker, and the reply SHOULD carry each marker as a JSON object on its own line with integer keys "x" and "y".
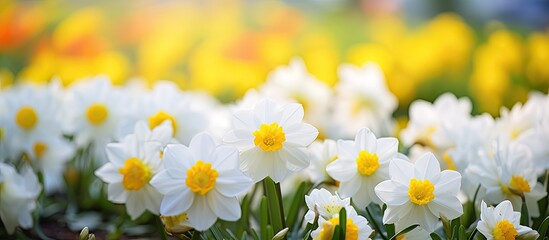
{"x": 356, "y": 227}
{"x": 420, "y": 193}
{"x": 361, "y": 165}
{"x": 322, "y": 154}
{"x": 132, "y": 164}
{"x": 94, "y": 109}
{"x": 327, "y": 206}
{"x": 272, "y": 139}
{"x": 362, "y": 98}
{"x": 49, "y": 155}
{"x": 18, "y": 193}
{"x": 502, "y": 223}
{"x": 201, "y": 181}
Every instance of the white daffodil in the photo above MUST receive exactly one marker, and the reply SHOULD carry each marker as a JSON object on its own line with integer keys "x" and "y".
{"x": 202, "y": 180}
{"x": 33, "y": 113}
{"x": 49, "y": 155}
{"x": 502, "y": 223}
{"x": 420, "y": 193}
{"x": 362, "y": 98}
{"x": 361, "y": 165}
{"x": 18, "y": 193}
{"x": 356, "y": 227}
{"x": 272, "y": 139}
{"x": 132, "y": 164}
{"x": 186, "y": 113}
{"x": 94, "y": 109}
{"x": 507, "y": 175}
{"x": 327, "y": 206}
{"x": 322, "y": 154}
{"x": 294, "y": 84}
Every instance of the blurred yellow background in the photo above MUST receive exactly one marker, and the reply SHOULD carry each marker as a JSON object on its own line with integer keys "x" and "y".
{"x": 227, "y": 47}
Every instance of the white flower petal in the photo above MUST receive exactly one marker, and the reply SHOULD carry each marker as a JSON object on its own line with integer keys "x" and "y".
{"x": 427, "y": 166}
{"x": 341, "y": 170}
{"x": 401, "y": 171}
{"x": 365, "y": 139}
{"x": 116, "y": 153}
{"x": 449, "y": 183}
{"x": 226, "y": 208}
{"x": 292, "y": 113}
{"x": 117, "y": 193}
{"x": 242, "y": 139}
{"x": 176, "y": 156}
{"x": 201, "y": 215}
{"x": 233, "y": 184}
{"x": 346, "y": 150}
{"x": 391, "y": 194}
{"x": 109, "y": 173}
{"x": 447, "y": 206}
{"x": 225, "y": 158}
{"x": 175, "y": 204}
{"x": 387, "y": 148}
{"x": 300, "y": 134}
{"x": 202, "y": 145}
{"x": 244, "y": 119}
{"x": 166, "y": 184}
{"x": 134, "y": 205}
{"x": 297, "y": 158}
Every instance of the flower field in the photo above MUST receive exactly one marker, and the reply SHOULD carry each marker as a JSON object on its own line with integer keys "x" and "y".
{"x": 273, "y": 120}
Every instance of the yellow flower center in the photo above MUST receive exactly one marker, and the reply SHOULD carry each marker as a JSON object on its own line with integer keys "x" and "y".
{"x": 135, "y": 174}
{"x": 367, "y": 163}
{"x": 269, "y": 137}
{"x": 351, "y": 229}
{"x": 504, "y": 230}
{"x": 421, "y": 191}
{"x": 520, "y": 184}
{"x": 449, "y": 161}
{"x": 201, "y": 177}
{"x": 159, "y": 118}
{"x": 39, "y": 149}
{"x": 26, "y": 118}
{"x": 97, "y": 114}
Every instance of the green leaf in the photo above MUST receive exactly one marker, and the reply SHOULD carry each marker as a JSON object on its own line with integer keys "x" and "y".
{"x": 435, "y": 236}
{"x": 242, "y": 223}
{"x": 270, "y": 232}
{"x": 216, "y": 233}
{"x": 543, "y": 228}
{"x": 406, "y": 230}
{"x": 297, "y": 202}
{"x": 390, "y": 230}
{"x": 473, "y": 234}
{"x": 374, "y": 223}
{"x": 524, "y": 217}
{"x": 263, "y": 217}
{"x": 454, "y": 225}
{"x": 337, "y": 233}
{"x": 343, "y": 222}
{"x": 462, "y": 234}
{"x": 274, "y": 204}
{"x": 196, "y": 235}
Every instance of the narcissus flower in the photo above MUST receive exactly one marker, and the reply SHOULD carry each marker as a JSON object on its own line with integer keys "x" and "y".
{"x": 327, "y": 206}
{"x": 18, "y": 193}
{"x": 356, "y": 227}
{"x": 362, "y": 98}
{"x": 502, "y": 223}
{"x": 322, "y": 154}
{"x": 32, "y": 113}
{"x": 132, "y": 164}
{"x": 202, "y": 180}
{"x": 507, "y": 174}
{"x": 272, "y": 139}
{"x": 361, "y": 165}
{"x": 94, "y": 109}
{"x": 420, "y": 193}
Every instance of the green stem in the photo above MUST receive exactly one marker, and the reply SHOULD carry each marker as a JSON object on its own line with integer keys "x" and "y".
{"x": 376, "y": 226}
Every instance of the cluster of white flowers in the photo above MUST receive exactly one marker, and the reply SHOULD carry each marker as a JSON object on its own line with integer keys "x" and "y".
{"x": 187, "y": 157}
